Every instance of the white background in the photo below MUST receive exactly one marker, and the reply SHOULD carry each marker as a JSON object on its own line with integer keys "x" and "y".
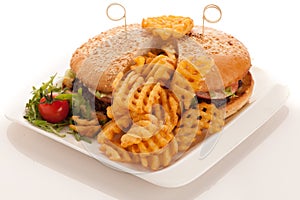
{"x": 37, "y": 40}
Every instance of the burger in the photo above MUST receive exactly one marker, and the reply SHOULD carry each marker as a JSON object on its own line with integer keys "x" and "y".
{"x": 95, "y": 65}
{"x": 200, "y": 79}
{"x": 233, "y": 62}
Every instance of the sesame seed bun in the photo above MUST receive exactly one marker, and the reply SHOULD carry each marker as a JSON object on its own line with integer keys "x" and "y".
{"x": 233, "y": 62}
{"x": 229, "y": 54}
{"x": 98, "y": 61}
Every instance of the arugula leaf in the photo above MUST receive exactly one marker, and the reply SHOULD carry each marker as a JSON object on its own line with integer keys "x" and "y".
{"x": 78, "y": 104}
{"x": 31, "y": 108}
{"x": 229, "y": 93}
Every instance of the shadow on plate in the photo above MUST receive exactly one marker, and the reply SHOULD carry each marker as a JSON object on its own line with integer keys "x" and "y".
{"x": 115, "y": 183}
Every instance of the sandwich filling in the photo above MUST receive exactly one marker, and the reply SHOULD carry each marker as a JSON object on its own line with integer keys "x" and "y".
{"x": 228, "y": 95}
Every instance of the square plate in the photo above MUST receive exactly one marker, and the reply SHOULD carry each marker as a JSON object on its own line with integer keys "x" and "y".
{"x": 267, "y": 98}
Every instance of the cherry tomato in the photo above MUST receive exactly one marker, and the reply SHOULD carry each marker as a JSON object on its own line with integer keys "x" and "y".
{"x": 53, "y": 111}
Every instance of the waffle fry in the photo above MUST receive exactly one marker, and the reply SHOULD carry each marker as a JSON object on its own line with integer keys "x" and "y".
{"x": 111, "y": 132}
{"x": 193, "y": 70}
{"x": 125, "y": 90}
{"x": 169, "y": 107}
{"x": 190, "y": 73}
{"x": 140, "y": 131}
{"x": 153, "y": 114}
{"x": 187, "y": 129}
{"x": 152, "y": 117}
{"x": 150, "y": 56}
{"x": 113, "y": 151}
{"x": 89, "y": 131}
{"x": 197, "y": 124}
{"x": 117, "y": 80}
{"x": 211, "y": 117}
{"x": 182, "y": 90}
{"x": 109, "y": 138}
{"x": 167, "y": 26}
{"x": 159, "y": 68}
{"x": 163, "y": 108}
{"x": 143, "y": 98}
{"x": 85, "y": 127}
{"x": 153, "y": 144}
{"x": 161, "y": 71}
{"x": 159, "y": 159}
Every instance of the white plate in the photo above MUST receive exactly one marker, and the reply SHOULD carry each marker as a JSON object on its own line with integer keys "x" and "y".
{"x": 267, "y": 98}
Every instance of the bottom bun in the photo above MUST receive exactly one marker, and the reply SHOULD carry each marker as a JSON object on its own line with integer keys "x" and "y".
{"x": 239, "y": 102}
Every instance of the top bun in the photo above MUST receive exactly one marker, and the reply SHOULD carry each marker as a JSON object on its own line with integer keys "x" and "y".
{"x": 229, "y": 54}
{"x": 98, "y": 61}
